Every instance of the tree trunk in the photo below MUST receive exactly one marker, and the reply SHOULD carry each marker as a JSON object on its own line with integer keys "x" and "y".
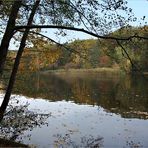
{"x": 8, "y": 33}
{"x": 17, "y": 61}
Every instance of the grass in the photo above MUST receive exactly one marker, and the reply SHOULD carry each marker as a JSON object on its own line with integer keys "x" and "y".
{"x": 94, "y": 70}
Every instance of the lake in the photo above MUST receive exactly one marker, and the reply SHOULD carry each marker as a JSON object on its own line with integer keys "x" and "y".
{"x": 77, "y": 109}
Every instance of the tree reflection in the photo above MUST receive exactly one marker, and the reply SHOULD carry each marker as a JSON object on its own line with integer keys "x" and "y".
{"x": 18, "y": 119}
{"x": 133, "y": 144}
{"x": 121, "y": 95}
{"x": 65, "y": 141}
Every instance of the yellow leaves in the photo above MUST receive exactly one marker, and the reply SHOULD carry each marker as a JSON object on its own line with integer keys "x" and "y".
{"x": 36, "y": 58}
{"x": 76, "y": 59}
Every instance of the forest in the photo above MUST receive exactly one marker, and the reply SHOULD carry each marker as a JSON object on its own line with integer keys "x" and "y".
{"x": 86, "y": 54}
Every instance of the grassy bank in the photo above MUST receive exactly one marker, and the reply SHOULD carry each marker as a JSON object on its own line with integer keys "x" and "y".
{"x": 94, "y": 70}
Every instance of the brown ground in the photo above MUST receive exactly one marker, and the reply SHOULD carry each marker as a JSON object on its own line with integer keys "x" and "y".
{"x": 7, "y": 143}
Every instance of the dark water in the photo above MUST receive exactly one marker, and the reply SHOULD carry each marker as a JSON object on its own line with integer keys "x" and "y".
{"x": 84, "y": 110}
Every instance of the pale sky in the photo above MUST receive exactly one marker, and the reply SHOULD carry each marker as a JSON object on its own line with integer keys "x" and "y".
{"x": 140, "y": 7}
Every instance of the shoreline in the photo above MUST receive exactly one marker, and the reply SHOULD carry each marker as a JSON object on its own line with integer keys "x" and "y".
{"x": 102, "y": 70}
{"x": 94, "y": 70}
{"x": 10, "y": 143}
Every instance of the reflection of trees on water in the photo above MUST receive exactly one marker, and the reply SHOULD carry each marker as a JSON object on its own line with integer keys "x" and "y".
{"x": 133, "y": 144}
{"x": 126, "y": 96}
{"x": 45, "y": 87}
{"x": 132, "y": 97}
{"x": 18, "y": 119}
{"x": 86, "y": 141}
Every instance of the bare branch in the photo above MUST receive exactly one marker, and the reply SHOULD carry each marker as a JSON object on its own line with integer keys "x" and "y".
{"x": 126, "y": 54}
{"x": 132, "y": 63}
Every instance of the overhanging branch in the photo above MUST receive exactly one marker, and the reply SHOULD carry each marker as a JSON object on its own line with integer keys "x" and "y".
{"x": 79, "y": 30}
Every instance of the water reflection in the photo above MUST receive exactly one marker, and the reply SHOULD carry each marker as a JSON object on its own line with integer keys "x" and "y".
{"x": 91, "y": 114}
{"x": 127, "y": 96}
{"x": 18, "y": 118}
{"x": 74, "y": 125}
{"x": 87, "y": 142}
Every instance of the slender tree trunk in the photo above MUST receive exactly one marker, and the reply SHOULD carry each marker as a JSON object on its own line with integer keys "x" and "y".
{"x": 8, "y": 33}
{"x": 17, "y": 61}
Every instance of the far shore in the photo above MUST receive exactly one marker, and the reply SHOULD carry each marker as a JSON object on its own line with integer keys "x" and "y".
{"x": 145, "y": 73}
{"x": 101, "y": 71}
{"x": 94, "y": 70}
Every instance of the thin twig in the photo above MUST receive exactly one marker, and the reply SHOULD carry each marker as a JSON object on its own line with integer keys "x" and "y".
{"x": 59, "y": 44}
{"x": 131, "y": 61}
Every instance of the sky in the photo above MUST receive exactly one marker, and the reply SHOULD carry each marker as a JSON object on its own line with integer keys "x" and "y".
{"x": 140, "y": 7}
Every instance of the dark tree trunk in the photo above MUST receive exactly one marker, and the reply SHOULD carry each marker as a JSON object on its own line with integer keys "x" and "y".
{"x": 17, "y": 61}
{"x": 8, "y": 33}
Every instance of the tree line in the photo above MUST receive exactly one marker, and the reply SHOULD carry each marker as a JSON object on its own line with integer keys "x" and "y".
{"x": 89, "y": 53}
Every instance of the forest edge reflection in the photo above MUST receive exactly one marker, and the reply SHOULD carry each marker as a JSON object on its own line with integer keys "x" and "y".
{"x": 118, "y": 94}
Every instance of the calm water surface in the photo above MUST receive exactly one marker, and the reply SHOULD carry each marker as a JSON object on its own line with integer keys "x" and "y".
{"x": 78, "y": 110}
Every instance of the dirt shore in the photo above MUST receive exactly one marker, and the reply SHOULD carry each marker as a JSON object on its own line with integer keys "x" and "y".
{"x": 9, "y": 143}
